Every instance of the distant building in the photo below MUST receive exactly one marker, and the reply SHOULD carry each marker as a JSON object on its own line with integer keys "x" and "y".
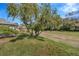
{"x": 4, "y": 22}
{"x": 7, "y": 23}
{"x": 12, "y": 25}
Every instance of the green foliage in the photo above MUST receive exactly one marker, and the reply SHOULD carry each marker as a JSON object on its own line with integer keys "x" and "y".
{"x": 39, "y": 17}
{"x": 68, "y": 24}
{"x": 7, "y": 30}
{"x": 32, "y": 15}
{"x": 12, "y": 10}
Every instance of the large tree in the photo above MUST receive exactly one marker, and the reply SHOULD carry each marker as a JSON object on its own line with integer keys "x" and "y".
{"x": 36, "y": 17}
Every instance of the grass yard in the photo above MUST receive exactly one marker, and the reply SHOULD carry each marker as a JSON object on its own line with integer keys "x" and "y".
{"x": 39, "y": 46}
{"x": 70, "y": 38}
{"x": 72, "y": 33}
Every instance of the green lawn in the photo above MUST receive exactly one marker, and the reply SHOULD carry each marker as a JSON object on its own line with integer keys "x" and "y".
{"x": 39, "y": 46}
{"x": 72, "y": 33}
{"x": 70, "y": 38}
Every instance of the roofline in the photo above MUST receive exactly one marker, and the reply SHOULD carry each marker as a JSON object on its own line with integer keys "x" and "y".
{"x": 8, "y": 24}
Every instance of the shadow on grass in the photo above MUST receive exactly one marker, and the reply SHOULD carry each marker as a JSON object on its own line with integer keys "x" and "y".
{"x": 19, "y": 37}
{"x": 40, "y": 38}
{"x": 22, "y": 36}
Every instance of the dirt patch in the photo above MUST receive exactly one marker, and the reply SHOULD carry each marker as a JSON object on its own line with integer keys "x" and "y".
{"x": 5, "y": 40}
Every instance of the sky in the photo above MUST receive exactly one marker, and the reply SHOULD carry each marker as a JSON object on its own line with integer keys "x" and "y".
{"x": 4, "y": 14}
{"x": 62, "y": 9}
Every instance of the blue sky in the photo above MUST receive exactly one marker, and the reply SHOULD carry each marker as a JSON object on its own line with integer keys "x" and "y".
{"x": 63, "y": 9}
{"x": 4, "y": 14}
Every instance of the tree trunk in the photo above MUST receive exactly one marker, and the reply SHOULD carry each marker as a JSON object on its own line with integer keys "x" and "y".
{"x": 36, "y": 33}
{"x": 32, "y": 33}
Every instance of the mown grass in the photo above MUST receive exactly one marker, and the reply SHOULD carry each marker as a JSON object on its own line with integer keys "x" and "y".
{"x": 71, "y": 33}
{"x": 28, "y": 46}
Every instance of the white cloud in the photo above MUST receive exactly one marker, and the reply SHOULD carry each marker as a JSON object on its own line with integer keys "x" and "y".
{"x": 69, "y": 7}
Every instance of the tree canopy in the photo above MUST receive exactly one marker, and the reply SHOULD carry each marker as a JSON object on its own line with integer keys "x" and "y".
{"x": 36, "y": 17}
{"x": 39, "y": 17}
